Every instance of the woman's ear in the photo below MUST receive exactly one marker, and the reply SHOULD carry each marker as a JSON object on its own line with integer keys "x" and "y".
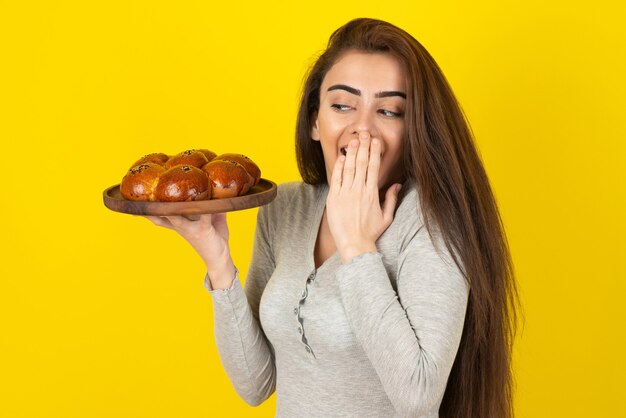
{"x": 315, "y": 132}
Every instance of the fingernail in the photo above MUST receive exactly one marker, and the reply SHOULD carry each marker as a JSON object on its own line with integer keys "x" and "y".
{"x": 364, "y": 135}
{"x": 354, "y": 143}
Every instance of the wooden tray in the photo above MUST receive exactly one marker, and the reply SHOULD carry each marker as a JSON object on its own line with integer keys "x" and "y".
{"x": 261, "y": 194}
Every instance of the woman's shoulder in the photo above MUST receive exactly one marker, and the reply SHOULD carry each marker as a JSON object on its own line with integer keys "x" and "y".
{"x": 296, "y": 191}
{"x": 409, "y": 209}
{"x": 411, "y": 225}
{"x": 295, "y": 187}
{"x": 291, "y": 196}
{"x": 289, "y": 189}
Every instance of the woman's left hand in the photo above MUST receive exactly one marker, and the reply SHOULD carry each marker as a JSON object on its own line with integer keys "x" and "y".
{"x": 355, "y": 216}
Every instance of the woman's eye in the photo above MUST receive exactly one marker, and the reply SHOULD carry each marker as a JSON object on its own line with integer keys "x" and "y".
{"x": 341, "y": 107}
{"x": 389, "y": 113}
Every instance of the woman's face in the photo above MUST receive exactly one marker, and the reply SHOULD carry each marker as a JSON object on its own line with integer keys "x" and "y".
{"x": 363, "y": 92}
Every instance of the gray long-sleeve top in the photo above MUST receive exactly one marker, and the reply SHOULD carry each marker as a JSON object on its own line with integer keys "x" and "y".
{"x": 375, "y": 337}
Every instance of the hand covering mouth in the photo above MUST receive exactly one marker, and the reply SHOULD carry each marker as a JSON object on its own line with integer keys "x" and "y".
{"x": 344, "y": 151}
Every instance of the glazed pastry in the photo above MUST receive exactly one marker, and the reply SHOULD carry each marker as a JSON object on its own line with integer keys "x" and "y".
{"x": 140, "y": 182}
{"x": 210, "y": 155}
{"x": 156, "y": 158}
{"x": 183, "y": 183}
{"x": 253, "y": 170}
{"x": 227, "y": 178}
{"x": 190, "y": 175}
{"x": 190, "y": 157}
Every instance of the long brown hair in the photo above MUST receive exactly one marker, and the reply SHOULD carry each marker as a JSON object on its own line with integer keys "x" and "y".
{"x": 455, "y": 197}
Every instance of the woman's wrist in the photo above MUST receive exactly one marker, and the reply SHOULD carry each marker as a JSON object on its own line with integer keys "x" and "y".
{"x": 221, "y": 276}
{"x": 348, "y": 252}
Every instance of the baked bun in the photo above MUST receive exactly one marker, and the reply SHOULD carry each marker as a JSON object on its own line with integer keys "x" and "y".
{"x": 210, "y": 155}
{"x": 183, "y": 183}
{"x": 156, "y": 158}
{"x": 140, "y": 182}
{"x": 227, "y": 178}
{"x": 190, "y": 157}
{"x": 253, "y": 170}
{"x": 195, "y": 174}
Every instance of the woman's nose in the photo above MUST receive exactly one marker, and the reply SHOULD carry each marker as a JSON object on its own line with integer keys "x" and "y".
{"x": 364, "y": 122}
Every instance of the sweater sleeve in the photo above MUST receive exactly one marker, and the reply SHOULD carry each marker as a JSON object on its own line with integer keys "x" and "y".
{"x": 410, "y": 336}
{"x": 245, "y": 352}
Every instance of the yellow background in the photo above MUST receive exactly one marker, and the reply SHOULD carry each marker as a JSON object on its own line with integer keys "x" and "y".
{"x": 105, "y": 315}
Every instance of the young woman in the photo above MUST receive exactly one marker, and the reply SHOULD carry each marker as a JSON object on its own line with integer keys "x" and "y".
{"x": 382, "y": 284}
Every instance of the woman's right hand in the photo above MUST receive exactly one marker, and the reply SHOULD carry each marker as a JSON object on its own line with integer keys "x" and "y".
{"x": 209, "y": 237}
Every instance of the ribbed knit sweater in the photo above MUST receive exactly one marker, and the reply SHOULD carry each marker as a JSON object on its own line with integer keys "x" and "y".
{"x": 375, "y": 337}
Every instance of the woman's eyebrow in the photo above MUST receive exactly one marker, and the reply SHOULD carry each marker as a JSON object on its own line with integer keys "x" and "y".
{"x": 349, "y": 89}
{"x": 357, "y": 92}
{"x": 390, "y": 94}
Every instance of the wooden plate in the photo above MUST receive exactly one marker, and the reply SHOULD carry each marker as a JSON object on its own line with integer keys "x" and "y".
{"x": 261, "y": 194}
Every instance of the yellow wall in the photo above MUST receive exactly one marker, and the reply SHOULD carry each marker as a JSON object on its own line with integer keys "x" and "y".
{"x": 104, "y": 315}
